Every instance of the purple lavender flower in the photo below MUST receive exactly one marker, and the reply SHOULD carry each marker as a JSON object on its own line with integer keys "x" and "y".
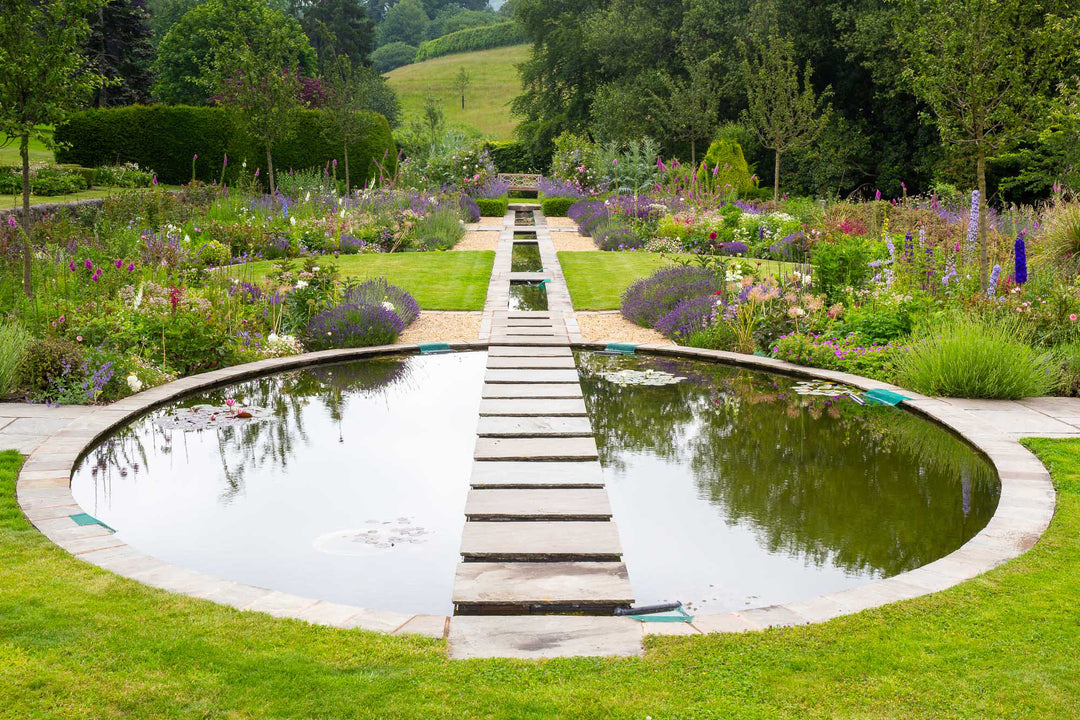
{"x": 653, "y": 297}
{"x": 995, "y": 275}
{"x": 973, "y": 223}
{"x": 687, "y": 317}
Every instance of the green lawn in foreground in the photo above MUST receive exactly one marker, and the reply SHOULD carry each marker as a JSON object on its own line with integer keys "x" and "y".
{"x": 9, "y": 151}
{"x": 597, "y": 279}
{"x": 494, "y": 82}
{"x": 438, "y": 280}
{"x": 76, "y": 641}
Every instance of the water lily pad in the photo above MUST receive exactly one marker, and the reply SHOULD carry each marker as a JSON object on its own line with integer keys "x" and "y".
{"x": 641, "y": 377}
{"x": 204, "y": 417}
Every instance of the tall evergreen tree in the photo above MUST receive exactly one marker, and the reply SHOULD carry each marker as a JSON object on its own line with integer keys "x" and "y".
{"x": 120, "y": 49}
{"x": 336, "y": 27}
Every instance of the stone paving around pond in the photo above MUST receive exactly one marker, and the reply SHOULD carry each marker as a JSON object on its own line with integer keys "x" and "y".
{"x": 539, "y": 536}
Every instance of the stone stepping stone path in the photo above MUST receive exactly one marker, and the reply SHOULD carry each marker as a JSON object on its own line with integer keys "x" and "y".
{"x": 539, "y": 541}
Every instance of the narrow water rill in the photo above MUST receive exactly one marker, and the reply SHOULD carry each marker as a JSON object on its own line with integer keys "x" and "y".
{"x": 528, "y": 296}
{"x": 526, "y": 258}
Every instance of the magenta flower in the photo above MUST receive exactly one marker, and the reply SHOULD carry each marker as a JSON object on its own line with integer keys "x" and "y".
{"x": 131, "y": 266}
{"x": 225, "y": 162}
{"x": 194, "y": 157}
{"x": 71, "y": 266}
{"x": 11, "y": 221}
{"x": 877, "y": 195}
{"x": 118, "y": 263}
{"x": 155, "y": 180}
{"x": 88, "y": 265}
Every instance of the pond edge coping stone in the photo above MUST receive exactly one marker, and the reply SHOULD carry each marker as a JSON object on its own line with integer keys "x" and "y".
{"x": 43, "y": 489}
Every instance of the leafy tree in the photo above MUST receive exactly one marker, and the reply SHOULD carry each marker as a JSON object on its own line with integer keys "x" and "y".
{"x": 393, "y": 55}
{"x": 120, "y": 49}
{"x": 462, "y": 83}
{"x": 405, "y": 22}
{"x": 433, "y": 117}
{"x": 165, "y": 13}
{"x": 984, "y": 67}
{"x": 377, "y": 95}
{"x": 194, "y": 48}
{"x": 453, "y": 18}
{"x": 43, "y": 77}
{"x": 692, "y": 106}
{"x": 345, "y": 100}
{"x": 336, "y": 27}
{"x": 263, "y": 95}
{"x": 785, "y": 112}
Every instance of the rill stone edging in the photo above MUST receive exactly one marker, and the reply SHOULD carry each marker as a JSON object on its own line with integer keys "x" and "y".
{"x": 1024, "y": 510}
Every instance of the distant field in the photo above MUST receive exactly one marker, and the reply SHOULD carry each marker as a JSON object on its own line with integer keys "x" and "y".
{"x": 494, "y": 84}
{"x": 9, "y": 152}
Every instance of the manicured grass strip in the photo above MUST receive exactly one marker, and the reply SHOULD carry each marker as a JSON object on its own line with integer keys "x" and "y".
{"x": 438, "y": 280}
{"x": 597, "y": 279}
{"x": 78, "y": 641}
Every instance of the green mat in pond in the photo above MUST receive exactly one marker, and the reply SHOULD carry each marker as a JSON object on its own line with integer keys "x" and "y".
{"x": 87, "y": 519}
{"x": 884, "y": 397}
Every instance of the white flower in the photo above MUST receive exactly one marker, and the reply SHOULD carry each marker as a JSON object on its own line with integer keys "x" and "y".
{"x": 244, "y": 164}
{"x": 315, "y": 269}
{"x": 388, "y": 306}
{"x": 342, "y": 214}
{"x": 272, "y": 338}
{"x": 292, "y": 220}
{"x": 300, "y": 284}
{"x": 134, "y": 383}
{"x": 187, "y": 239}
{"x": 307, "y": 196}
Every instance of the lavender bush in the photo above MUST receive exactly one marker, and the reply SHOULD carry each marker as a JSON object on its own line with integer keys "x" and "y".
{"x": 687, "y": 317}
{"x": 653, "y": 297}
{"x": 554, "y": 187}
{"x": 379, "y": 292}
{"x": 351, "y": 325}
{"x": 470, "y": 211}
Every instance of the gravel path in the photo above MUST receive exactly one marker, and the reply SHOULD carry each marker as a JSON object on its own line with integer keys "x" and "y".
{"x": 612, "y": 327}
{"x": 478, "y": 240}
{"x": 572, "y": 242}
{"x": 561, "y": 222}
{"x": 442, "y": 326}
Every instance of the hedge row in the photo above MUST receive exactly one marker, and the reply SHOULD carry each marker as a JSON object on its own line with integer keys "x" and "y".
{"x": 165, "y": 138}
{"x": 470, "y": 39}
{"x": 492, "y": 207}
{"x": 556, "y": 206}
{"x": 511, "y": 156}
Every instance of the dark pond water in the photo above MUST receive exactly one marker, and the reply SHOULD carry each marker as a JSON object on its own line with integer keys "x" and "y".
{"x": 528, "y": 296}
{"x": 350, "y": 489}
{"x": 731, "y": 490}
{"x": 525, "y": 257}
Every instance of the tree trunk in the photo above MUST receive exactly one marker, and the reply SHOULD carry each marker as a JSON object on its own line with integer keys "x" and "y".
{"x": 984, "y": 259}
{"x": 462, "y": 99}
{"x": 270, "y": 172}
{"x": 693, "y": 151}
{"x": 776, "y": 177}
{"x": 24, "y": 153}
{"x": 348, "y": 185}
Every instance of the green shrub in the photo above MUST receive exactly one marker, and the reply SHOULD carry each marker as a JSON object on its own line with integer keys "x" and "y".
{"x": 478, "y": 38}
{"x": 556, "y": 206}
{"x": 214, "y": 253}
{"x": 14, "y": 342}
{"x": 973, "y": 358}
{"x": 492, "y": 207}
{"x": 511, "y": 156}
{"x": 166, "y": 138}
{"x": 839, "y": 265}
{"x": 48, "y": 359}
{"x": 440, "y": 229}
{"x": 731, "y": 168}
{"x": 89, "y": 175}
{"x": 128, "y": 175}
{"x": 393, "y": 55}
{"x": 1069, "y": 357}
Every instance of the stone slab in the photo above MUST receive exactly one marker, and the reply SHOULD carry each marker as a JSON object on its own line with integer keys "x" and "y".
{"x": 509, "y": 426}
{"x": 558, "y": 583}
{"x": 532, "y": 407}
{"x": 526, "y": 322}
{"x": 543, "y": 637}
{"x": 531, "y": 390}
{"x": 538, "y": 504}
{"x": 532, "y": 376}
{"x": 536, "y": 449}
{"x": 540, "y": 331}
{"x": 525, "y": 363}
{"x": 432, "y": 626}
{"x": 525, "y": 351}
{"x": 496, "y": 474}
{"x": 501, "y": 338}
{"x": 535, "y": 541}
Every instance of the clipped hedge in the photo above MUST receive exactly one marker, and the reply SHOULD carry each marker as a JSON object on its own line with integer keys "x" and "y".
{"x": 166, "y": 137}
{"x": 510, "y": 156}
{"x": 492, "y": 207}
{"x": 556, "y": 206}
{"x": 471, "y": 39}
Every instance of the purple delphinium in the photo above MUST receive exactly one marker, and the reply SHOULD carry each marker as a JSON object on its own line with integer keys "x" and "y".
{"x": 950, "y": 273}
{"x": 973, "y": 223}
{"x": 991, "y": 287}
{"x": 1020, "y": 270}
{"x": 652, "y": 297}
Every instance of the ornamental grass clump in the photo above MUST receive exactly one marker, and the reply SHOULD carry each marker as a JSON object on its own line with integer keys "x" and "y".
{"x": 653, "y": 297}
{"x": 974, "y": 358}
{"x": 14, "y": 342}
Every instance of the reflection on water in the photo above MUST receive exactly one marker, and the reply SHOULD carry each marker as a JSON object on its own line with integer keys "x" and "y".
{"x": 525, "y": 257}
{"x": 352, "y": 490}
{"x": 528, "y": 296}
{"x": 732, "y": 491}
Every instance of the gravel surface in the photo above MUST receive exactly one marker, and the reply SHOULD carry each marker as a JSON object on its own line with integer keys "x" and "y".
{"x": 561, "y": 222}
{"x": 613, "y": 327}
{"x": 572, "y": 242}
{"x": 478, "y": 240}
{"x": 442, "y": 326}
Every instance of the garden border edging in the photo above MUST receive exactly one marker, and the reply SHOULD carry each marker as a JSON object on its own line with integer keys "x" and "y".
{"x": 43, "y": 489}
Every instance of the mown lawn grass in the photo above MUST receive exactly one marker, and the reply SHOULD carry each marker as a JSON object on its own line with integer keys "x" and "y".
{"x": 597, "y": 279}
{"x": 37, "y": 150}
{"x": 494, "y": 82}
{"x": 438, "y": 280}
{"x": 76, "y": 641}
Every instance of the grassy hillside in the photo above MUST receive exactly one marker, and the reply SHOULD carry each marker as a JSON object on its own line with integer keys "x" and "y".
{"x": 494, "y": 84}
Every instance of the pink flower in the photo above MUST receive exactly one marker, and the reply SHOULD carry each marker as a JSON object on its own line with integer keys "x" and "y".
{"x": 1072, "y": 318}
{"x": 71, "y": 266}
{"x": 118, "y": 263}
{"x": 194, "y": 157}
{"x": 155, "y": 179}
{"x": 11, "y": 221}
{"x": 225, "y": 162}
{"x": 131, "y": 266}
{"x": 89, "y": 265}
{"x": 78, "y": 338}
{"x": 230, "y": 401}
